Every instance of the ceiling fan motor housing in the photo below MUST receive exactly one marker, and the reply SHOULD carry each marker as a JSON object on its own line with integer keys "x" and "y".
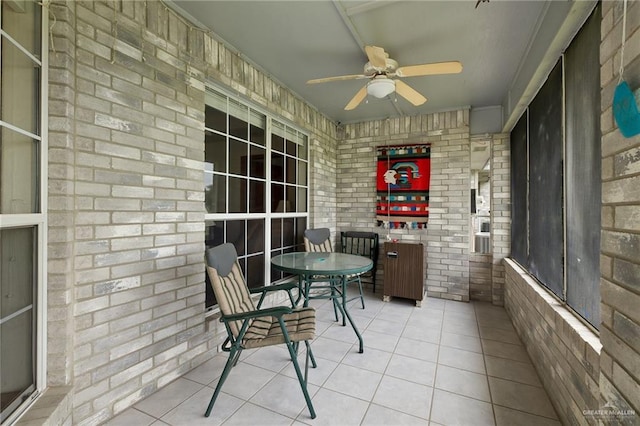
{"x": 390, "y": 66}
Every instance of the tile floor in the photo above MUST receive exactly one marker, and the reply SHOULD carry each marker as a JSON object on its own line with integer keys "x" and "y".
{"x": 446, "y": 363}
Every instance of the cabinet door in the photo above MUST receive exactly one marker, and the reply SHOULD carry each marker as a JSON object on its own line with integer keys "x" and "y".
{"x": 403, "y": 270}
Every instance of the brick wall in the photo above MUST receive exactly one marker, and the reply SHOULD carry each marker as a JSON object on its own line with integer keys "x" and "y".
{"x": 446, "y": 238}
{"x": 323, "y": 176}
{"x": 563, "y": 350}
{"x": 62, "y": 93}
{"x": 138, "y": 207}
{"x": 448, "y": 234}
{"x": 486, "y": 271}
{"x": 480, "y": 276}
{"x": 620, "y": 247}
{"x": 126, "y": 212}
{"x": 500, "y": 213}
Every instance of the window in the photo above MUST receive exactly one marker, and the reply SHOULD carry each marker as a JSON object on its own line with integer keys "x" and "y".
{"x": 555, "y": 178}
{"x": 22, "y": 206}
{"x": 256, "y": 186}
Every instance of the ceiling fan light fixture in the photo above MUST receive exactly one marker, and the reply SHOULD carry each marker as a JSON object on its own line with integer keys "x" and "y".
{"x": 381, "y": 87}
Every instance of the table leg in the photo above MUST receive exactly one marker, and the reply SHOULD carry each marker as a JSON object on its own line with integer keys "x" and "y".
{"x": 345, "y": 313}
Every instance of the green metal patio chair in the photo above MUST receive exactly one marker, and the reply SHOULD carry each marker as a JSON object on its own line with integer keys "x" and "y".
{"x": 319, "y": 240}
{"x": 248, "y": 326}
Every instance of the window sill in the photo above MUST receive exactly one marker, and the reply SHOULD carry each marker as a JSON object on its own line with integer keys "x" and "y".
{"x": 53, "y": 407}
{"x": 559, "y": 309}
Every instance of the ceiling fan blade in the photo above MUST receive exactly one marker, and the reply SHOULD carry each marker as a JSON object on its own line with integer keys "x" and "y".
{"x": 377, "y": 56}
{"x": 453, "y": 67}
{"x": 338, "y": 78}
{"x": 409, "y": 94}
{"x": 355, "y": 101}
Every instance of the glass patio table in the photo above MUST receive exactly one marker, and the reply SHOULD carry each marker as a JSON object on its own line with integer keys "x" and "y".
{"x": 332, "y": 268}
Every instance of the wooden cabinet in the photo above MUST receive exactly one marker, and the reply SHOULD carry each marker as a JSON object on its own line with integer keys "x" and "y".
{"x": 404, "y": 271}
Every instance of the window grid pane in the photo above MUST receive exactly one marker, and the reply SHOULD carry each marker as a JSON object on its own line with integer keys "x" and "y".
{"x": 18, "y": 295}
{"x": 215, "y": 151}
{"x": 238, "y": 157}
{"x": 19, "y": 172}
{"x": 242, "y": 164}
{"x": 20, "y": 88}
{"x": 23, "y": 25}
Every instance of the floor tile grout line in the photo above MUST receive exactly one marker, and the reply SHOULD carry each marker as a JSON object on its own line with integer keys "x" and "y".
{"x": 247, "y": 400}
{"x": 382, "y": 375}
{"x": 370, "y": 402}
{"x": 435, "y": 373}
{"x": 177, "y": 405}
{"x": 484, "y": 360}
{"x": 529, "y": 363}
{"x": 405, "y": 324}
{"x": 528, "y": 412}
{"x": 340, "y": 362}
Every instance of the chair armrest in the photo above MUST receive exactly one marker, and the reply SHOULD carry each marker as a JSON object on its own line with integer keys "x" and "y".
{"x": 275, "y": 311}
{"x": 269, "y": 288}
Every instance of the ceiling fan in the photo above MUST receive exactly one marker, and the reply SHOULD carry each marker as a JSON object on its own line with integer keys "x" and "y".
{"x": 380, "y": 71}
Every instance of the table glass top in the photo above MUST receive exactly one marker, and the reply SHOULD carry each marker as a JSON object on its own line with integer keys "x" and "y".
{"x": 322, "y": 263}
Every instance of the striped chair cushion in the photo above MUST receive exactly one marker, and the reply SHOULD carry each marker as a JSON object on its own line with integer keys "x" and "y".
{"x": 265, "y": 331}
{"x": 233, "y": 297}
{"x": 317, "y": 240}
{"x": 232, "y": 294}
{"x": 324, "y": 247}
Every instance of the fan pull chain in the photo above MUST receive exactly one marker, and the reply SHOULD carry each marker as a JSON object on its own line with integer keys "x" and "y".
{"x": 388, "y": 189}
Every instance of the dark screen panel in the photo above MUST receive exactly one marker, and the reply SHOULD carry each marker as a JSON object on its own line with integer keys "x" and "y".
{"x": 546, "y": 230}
{"x": 583, "y": 168}
{"x": 519, "y": 191}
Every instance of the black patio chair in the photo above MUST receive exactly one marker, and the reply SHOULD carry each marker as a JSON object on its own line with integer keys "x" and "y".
{"x": 363, "y": 244}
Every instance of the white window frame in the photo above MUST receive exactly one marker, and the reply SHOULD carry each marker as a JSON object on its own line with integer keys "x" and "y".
{"x": 37, "y": 220}
{"x": 268, "y": 215}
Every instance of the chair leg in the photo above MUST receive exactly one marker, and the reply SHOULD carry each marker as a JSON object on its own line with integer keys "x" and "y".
{"x": 334, "y": 300}
{"x": 234, "y": 354}
{"x": 235, "y": 362}
{"x": 306, "y": 364}
{"x": 293, "y": 302}
{"x": 296, "y": 366}
{"x": 310, "y": 352}
{"x": 341, "y": 307}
